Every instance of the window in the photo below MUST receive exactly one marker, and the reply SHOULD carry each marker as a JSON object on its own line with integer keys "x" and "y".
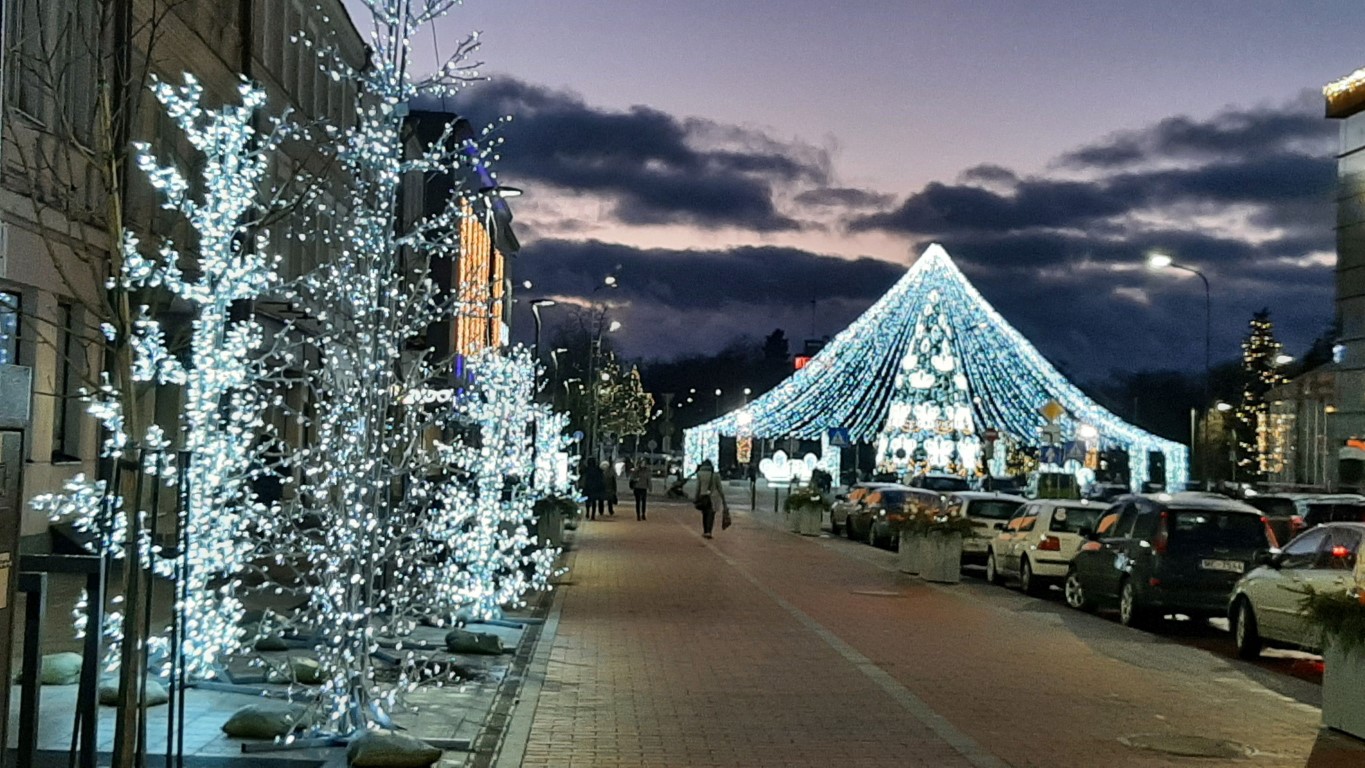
{"x": 1342, "y": 545}
{"x": 1199, "y": 529}
{"x": 1030, "y": 518}
{"x": 1303, "y": 551}
{"x": 1073, "y": 519}
{"x": 1016, "y": 523}
{"x": 66, "y": 407}
{"x": 993, "y": 509}
{"x": 1108, "y": 522}
{"x": 9, "y": 328}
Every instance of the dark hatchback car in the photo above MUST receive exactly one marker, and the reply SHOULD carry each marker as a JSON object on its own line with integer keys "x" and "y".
{"x": 1158, "y": 554}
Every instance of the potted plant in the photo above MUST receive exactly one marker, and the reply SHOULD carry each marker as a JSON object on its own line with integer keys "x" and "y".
{"x": 931, "y": 542}
{"x": 806, "y": 509}
{"x": 1340, "y": 619}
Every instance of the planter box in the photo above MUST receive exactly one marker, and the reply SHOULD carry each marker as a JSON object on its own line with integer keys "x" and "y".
{"x": 942, "y": 558}
{"x": 1343, "y": 681}
{"x": 806, "y": 520}
{"x": 550, "y": 530}
{"x": 912, "y": 552}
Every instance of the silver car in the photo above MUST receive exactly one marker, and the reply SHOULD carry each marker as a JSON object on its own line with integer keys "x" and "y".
{"x": 1264, "y": 609}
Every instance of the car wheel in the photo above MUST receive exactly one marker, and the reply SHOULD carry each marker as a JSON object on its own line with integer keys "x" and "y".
{"x": 1245, "y": 632}
{"x": 1131, "y": 612}
{"x": 871, "y": 535}
{"x": 1075, "y": 592}
{"x": 833, "y": 526}
{"x": 848, "y": 528}
{"x": 1027, "y": 582}
{"x": 992, "y": 573}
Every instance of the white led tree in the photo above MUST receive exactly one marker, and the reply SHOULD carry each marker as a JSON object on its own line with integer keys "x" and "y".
{"x": 412, "y": 501}
{"x": 222, "y": 378}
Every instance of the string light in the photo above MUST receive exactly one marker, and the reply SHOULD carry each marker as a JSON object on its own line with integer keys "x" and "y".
{"x": 853, "y": 383}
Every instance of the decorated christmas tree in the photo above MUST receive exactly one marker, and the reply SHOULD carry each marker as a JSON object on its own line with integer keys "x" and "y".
{"x": 930, "y": 427}
{"x": 1261, "y": 360}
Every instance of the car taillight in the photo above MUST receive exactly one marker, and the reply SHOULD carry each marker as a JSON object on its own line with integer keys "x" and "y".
{"x": 1163, "y": 534}
{"x": 1050, "y": 544}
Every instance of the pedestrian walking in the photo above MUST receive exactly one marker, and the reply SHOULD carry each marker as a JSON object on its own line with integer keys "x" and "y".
{"x": 710, "y": 498}
{"x": 593, "y": 486}
{"x": 639, "y": 486}
{"x": 609, "y": 486}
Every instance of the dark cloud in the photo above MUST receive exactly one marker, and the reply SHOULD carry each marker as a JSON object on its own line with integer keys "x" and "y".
{"x": 988, "y": 174}
{"x": 1231, "y": 134}
{"x": 655, "y": 167}
{"x": 843, "y": 197}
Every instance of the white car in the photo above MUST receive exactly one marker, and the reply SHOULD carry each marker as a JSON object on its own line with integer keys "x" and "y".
{"x": 988, "y": 513}
{"x": 1264, "y": 609}
{"x": 1037, "y": 544}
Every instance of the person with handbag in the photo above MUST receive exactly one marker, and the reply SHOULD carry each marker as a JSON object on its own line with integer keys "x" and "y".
{"x": 710, "y": 498}
{"x": 639, "y": 486}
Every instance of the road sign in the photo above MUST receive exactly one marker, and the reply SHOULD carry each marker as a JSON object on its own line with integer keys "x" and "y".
{"x": 1052, "y": 454}
{"x": 1075, "y": 450}
{"x": 990, "y": 435}
{"x": 1052, "y": 410}
{"x": 838, "y": 437}
{"x": 653, "y": 445}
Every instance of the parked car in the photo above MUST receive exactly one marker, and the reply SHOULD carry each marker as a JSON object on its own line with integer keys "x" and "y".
{"x": 845, "y": 503}
{"x": 885, "y": 509}
{"x": 988, "y": 513}
{"x": 1321, "y": 512}
{"x": 940, "y": 482}
{"x": 1281, "y": 513}
{"x": 1264, "y": 609}
{"x": 1167, "y": 553}
{"x": 1036, "y": 546}
{"x": 1105, "y": 491}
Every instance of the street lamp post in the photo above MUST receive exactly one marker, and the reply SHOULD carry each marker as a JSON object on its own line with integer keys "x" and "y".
{"x": 1158, "y": 261}
{"x": 718, "y": 403}
{"x": 536, "y": 305}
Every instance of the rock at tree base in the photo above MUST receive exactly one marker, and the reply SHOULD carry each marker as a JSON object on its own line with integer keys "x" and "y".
{"x": 264, "y": 720}
{"x": 385, "y": 749}
{"x": 464, "y": 641}
{"x": 271, "y": 643}
{"x": 108, "y": 693}
{"x": 301, "y": 669}
{"x": 60, "y": 669}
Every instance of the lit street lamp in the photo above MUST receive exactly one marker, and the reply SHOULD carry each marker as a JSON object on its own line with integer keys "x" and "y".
{"x": 1158, "y": 261}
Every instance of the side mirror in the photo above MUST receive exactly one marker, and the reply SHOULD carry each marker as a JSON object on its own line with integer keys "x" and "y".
{"x": 1268, "y": 558}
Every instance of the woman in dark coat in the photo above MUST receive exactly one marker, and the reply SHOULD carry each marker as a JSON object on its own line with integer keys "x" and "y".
{"x": 594, "y": 487}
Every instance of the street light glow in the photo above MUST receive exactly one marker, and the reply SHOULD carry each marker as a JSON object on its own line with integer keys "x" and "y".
{"x": 718, "y": 393}
{"x": 614, "y": 327}
{"x": 1222, "y": 406}
{"x": 609, "y": 280}
{"x": 1284, "y": 359}
{"x": 1158, "y": 260}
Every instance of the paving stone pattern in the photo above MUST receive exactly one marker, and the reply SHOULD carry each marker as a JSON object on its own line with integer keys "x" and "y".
{"x": 763, "y": 648}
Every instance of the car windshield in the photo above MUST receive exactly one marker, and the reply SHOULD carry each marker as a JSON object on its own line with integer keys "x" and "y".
{"x": 943, "y": 483}
{"x": 1275, "y": 506}
{"x": 1202, "y": 528}
{"x": 893, "y": 499}
{"x": 1073, "y": 519}
{"x": 992, "y": 509}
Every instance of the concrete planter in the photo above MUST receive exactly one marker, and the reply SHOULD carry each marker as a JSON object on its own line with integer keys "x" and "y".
{"x": 806, "y": 520}
{"x": 942, "y": 558}
{"x": 1343, "y": 680}
{"x": 550, "y": 530}
{"x": 912, "y": 552}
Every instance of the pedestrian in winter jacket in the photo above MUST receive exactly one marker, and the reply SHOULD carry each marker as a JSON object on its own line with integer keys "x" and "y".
{"x": 639, "y": 486}
{"x": 591, "y": 482}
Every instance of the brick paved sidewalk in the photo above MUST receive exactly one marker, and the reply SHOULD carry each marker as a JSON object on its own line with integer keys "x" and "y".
{"x": 663, "y": 657}
{"x": 762, "y": 648}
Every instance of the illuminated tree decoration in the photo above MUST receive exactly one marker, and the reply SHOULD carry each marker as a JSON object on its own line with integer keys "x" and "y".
{"x": 1256, "y": 448}
{"x": 930, "y": 423}
{"x": 412, "y": 502}
{"x": 224, "y": 385}
{"x": 852, "y": 382}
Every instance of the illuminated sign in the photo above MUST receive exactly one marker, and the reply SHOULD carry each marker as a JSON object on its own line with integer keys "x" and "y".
{"x": 1346, "y": 96}
{"x": 480, "y": 288}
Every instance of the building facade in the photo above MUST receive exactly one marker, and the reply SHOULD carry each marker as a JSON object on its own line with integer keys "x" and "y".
{"x": 61, "y": 211}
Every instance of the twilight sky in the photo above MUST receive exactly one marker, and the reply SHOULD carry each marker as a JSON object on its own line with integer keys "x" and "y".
{"x": 739, "y": 160}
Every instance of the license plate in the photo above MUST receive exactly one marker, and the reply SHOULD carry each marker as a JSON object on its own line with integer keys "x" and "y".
{"x": 1231, "y": 566}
